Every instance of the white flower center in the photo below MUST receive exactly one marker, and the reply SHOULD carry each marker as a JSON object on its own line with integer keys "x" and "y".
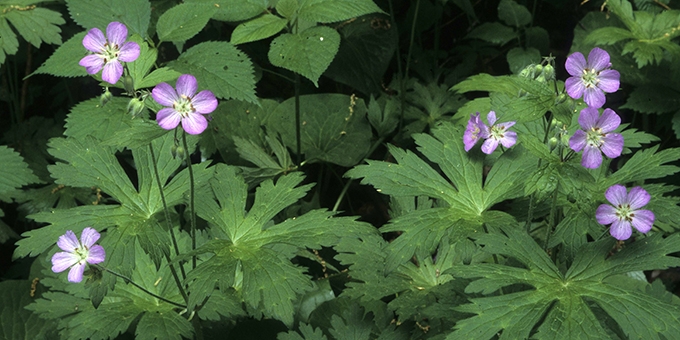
{"x": 110, "y": 53}
{"x": 590, "y": 78}
{"x": 624, "y": 213}
{"x": 497, "y": 132}
{"x": 82, "y": 252}
{"x": 183, "y": 106}
{"x": 594, "y": 136}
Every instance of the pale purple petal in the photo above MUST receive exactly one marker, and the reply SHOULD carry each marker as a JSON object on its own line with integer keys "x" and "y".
{"x": 194, "y": 124}
{"x": 186, "y": 85}
{"x": 93, "y": 63}
{"x": 94, "y": 40}
{"x": 578, "y": 141}
{"x": 612, "y": 145}
{"x": 129, "y": 52}
{"x": 609, "y": 80}
{"x": 509, "y": 139}
{"x": 164, "y": 94}
{"x": 113, "y": 70}
{"x": 168, "y": 118}
{"x": 116, "y": 33}
{"x": 575, "y": 64}
{"x": 621, "y": 230}
{"x": 96, "y": 255}
{"x": 204, "y": 102}
{"x": 598, "y": 59}
{"x": 609, "y": 121}
{"x": 89, "y": 237}
{"x": 68, "y": 242}
{"x": 506, "y": 125}
{"x": 76, "y": 272}
{"x": 491, "y": 118}
{"x": 588, "y": 118}
{"x": 638, "y": 198}
{"x": 63, "y": 260}
{"x": 643, "y": 220}
{"x": 489, "y": 146}
{"x": 605, "y": 214}
{"x": 594, "y": 97}
{"x": 574, "y": 87}
{"x": 471, "y": 134}
{"x": 592, "y": 157}
{"x": 616, "y": 195}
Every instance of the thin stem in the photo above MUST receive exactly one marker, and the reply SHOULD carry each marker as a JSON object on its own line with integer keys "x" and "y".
{"x": 129, "y": 280}
{"x": 298, "y": 125}
{"x": 278, "y": 74}
{"x": 552, "y": 218}
{"x": 192, "y": 216}
{"x": 342, "y": 194}
{"x": 402, "y": 84}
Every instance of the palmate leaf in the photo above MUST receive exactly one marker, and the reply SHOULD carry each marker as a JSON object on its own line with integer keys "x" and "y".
{"x": 14, "y": 173}
{"x": 560, "y": 304}
{"x": 465, "y": 197}
{"x": 17, "y": 323}
{"x": 34, "y": 24}
{"x": 251, "y": 254}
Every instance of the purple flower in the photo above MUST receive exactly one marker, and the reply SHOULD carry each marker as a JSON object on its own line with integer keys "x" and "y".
{"x": 495, "y": 134}
{"x": 624, "y": 211}
{"x": 109, "y": 51}
{"x": 596, "y": 137}
{"x": 474, "y": 131}
{"x": 591, "y": 78}
{"x": 77, "y": 253}
{"x": 183, "y": 105}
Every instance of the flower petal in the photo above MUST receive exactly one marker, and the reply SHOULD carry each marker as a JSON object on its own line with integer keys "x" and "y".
{"x": 594, "y": 97}
{"x": 578, "y": 141}
{"x": 116, "y": 33}
{"x": 609, "y": 121}
{"x": 575, "y": 87}
{"x": 164, "y": 94}
{"x": 129, "y": 52}
{"x": 638, "y": 198}
{"x": 204, "y": 102}
{"x": 186, "y": 85}
{"x": 643, "y": 220}
{"x": 97, "y": 255}
{"x": 113, "y": 70}
{"x": 63, "y": 260}
{"x": 76, "y": 272}
{"x": 621, "y": 230}
{"x": 489, "y": 146}
{"x": 509, "y": 139}
{"x": 592, "y": 157}
{"x": 575, "y": 64}
{"x": 194, "y": 124}
{"x": 616, "y": 195}
{"x": 605, "y": 214}
{"x": 609, "y": 80}
{"x": 68, "y": 242}
{"x": 588, "y": 118}
{"x": 89, "y": 237}
{"x": 598, "y": 59}
{"x": 612, "y": 145}
{"x": 94, "y": 40}
{"x": 168, "y": 118}
{"x": 491, "y": 118}
{"x": 93, "y": 63}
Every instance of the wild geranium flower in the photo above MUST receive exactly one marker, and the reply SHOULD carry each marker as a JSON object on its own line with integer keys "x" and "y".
{"x": 493, "y": 133}
{"x": 474, "y": 131}
{"x": 76, "y": 253}
{"x": 109, "y": 51}
{"x": 597, "y": 137}
{"x": 625, "y": 211}
{"x": 184, "y": 105}
{"x": 589, "y": 79}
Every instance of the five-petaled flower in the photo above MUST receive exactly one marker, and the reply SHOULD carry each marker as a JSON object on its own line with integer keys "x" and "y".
{"x": 76, "y": 253}
{"x": 591, "y": 78}
{"x": 109, "y": 51}
{"x": 625, "y": 211}
{"x": 597, "y": 137}
{"x": 493, "y": 133}
{"x": 183, "y": 105}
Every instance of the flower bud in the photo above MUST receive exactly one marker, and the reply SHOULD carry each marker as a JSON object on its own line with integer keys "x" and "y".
{"x": 528, "y": 72}
{"x": 561, "y": 98}
{"x": 549, "y": 72}
{"x": 564, "y": 139}
{"x": 177, "y": 151}
{"x": 129, "y": 84}
{"x": 552, "y": 142}
{"x": 135, "y": 107}
{"x": 105, "y": 97}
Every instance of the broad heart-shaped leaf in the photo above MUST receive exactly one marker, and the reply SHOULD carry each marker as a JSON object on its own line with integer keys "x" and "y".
{"x": 235, "y": 10}
{"x": 513, "y": 14}
{"x": 308, "y": 53}
{"x": 252, "y": 254}
{"x": 464, "y": 199}
{"x": 183, "y": 21}
{"x": 14, "y": 173}
{"x": 135, "y": 14}
{"x": 561, "y": 305}
{"x": 259, "y": 28}
{"x": 493, "y": 32}
{"x": 220, "y": 67}
{"x": 64, "y": 61}
{"x": 334, "y": 128}
{"x": 327, "y": 11}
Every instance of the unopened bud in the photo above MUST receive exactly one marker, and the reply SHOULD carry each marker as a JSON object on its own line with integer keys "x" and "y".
{"x": 549, "y": 72}
{"x": 552, "y": 142}
{"x": 561, "y": 98}
{"x": 177, "y": 151}
{"x": 528, "y": 72}
{"x": 105, "y": 97}
{"x": 564, "y": 139}
{"x": 129, "y": 84}
{"x": 135, "y": 107}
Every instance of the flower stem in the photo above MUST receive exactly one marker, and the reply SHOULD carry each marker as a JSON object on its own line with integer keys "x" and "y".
{"x": 297, "y": 120}
{"x": 129, "y": 280}
{"x": 552, "y": 218}
{"x": 192, "y": 190}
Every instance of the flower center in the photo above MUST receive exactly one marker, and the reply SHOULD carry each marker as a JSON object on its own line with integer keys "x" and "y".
{"x": 594, "y": 137}
{"x": 497, "y": 132}
{"x": 82, "y": 253}
{"x": 623, "y": 212}
{"x": 590, "y": 78}
{"x": 183, "y": 106}
{"x": 110, "y": 52}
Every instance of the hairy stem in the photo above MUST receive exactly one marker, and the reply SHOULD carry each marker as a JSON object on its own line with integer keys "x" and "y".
{"x": 192, "y": 189}
{"x": 129, "y": 280}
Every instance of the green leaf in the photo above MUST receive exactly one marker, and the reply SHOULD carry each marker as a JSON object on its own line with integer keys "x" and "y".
{"x": 513, "y": 14}
{"x": 328, "y": 11}
{"x": 608, "y": 36}
{"x": 644, "y": 165}
{"x": 234, "y": 10}
{"x": 64, "y": 61}
{"x": 36, "y": 25}
{"x": 307, "y": 332}
{"x": 383, "y": 114}
{"x": 9, "y": 44}
{"x": 518, "y": 58}
{"x": 160, "y": 75}
{"x": 220, "y": 67}
{"x": 183, "y": 21}
{"x": 493, "y": 32}
{"x": 89, "y": 118}
{"x": 334, "y": 128}
{"x": 653, "y": 98}
{"x": 17, "y": 323}
{"x": 308, "y": 53}
{"x": 140, "y": 67}
{"x": 259, "y": 28}
{"x": 14, "y": 173}
{"x": 136, "y": 14}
